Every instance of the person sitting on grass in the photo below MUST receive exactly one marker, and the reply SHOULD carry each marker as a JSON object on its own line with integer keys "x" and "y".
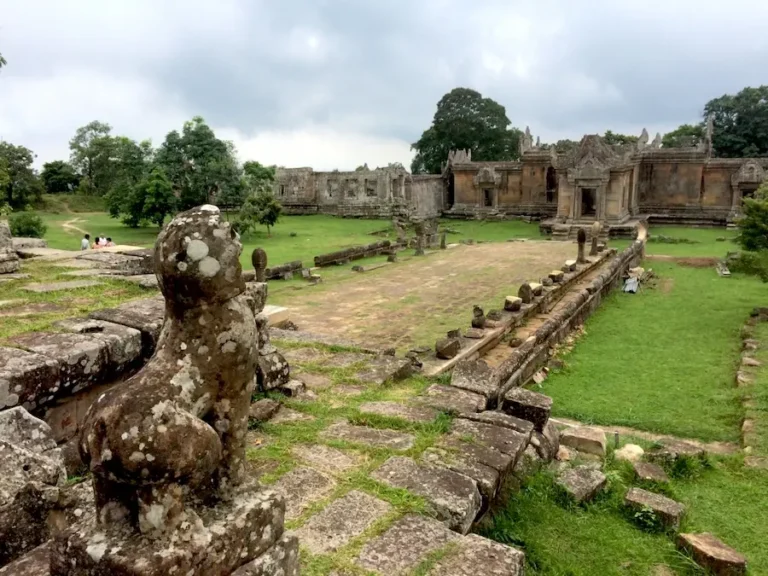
{"x": 85, "y": 243}
{"x": 109, "y": 242}
{"x": 102, "y": 241}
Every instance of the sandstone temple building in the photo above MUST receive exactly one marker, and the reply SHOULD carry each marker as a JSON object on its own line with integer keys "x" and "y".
{"x": 616, "y": 185}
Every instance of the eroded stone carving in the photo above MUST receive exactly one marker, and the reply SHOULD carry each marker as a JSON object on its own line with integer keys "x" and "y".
{"x": 595, "y": 234}
{"x": 179, "y": 424}
{"x": 259, "y": 261}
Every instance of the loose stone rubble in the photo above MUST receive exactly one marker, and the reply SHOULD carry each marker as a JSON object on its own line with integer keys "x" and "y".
{"x": 713, "y": 555}
{"x": 665, "y": 509}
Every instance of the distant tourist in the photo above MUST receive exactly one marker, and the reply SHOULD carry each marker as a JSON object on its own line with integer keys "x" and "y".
{"x": 85, "y": 243}
{"x": 102, "y": 242}
{"x": 109, "y": 242}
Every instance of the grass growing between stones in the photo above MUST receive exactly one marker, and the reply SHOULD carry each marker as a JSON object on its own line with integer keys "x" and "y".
{"x": 662, "y": 360}
{"x": 22, "y": 311}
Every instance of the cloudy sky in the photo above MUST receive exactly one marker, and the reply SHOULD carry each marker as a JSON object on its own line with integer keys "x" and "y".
{"x": 335, "y": 83}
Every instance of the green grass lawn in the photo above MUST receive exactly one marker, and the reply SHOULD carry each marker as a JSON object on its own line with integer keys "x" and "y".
{"x": 664, "y": 359}
{"x": 724, "y": 499}
{"x": 706, "y": 243}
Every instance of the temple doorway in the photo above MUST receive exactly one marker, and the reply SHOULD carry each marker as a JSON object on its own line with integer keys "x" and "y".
{"x": 588, "y": 202}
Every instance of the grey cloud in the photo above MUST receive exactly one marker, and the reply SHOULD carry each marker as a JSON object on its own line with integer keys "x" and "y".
{"x": 380, "y": 66}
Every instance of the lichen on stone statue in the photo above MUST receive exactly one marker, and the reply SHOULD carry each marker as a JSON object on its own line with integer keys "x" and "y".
{"x": 167, "y": 446}
{"x": 9, "y": 260}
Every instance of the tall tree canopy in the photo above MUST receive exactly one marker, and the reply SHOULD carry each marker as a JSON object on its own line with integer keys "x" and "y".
{"x": 740, "y": 123}
{"x": 612, "y": 138}
{"x": 465, "y": 120}
{"x": 202, "y": 168}
{"x": 91, "y": 152}
{"x": 684, "y": 136}
{"x": 59, "y": 177}
{"x": 18, "y": 179}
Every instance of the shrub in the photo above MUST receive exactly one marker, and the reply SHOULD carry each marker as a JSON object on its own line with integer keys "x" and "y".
{"x": 752, "y": 263}
{"x": 28, "y": 225}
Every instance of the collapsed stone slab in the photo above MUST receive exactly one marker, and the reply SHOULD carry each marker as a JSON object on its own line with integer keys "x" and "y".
{"x": 145, "y": 315}
{"x": 665, "y": 509}
{"x": 582, "y": 483}
{"x": 454, "y": 498}
{"x": 585, "y": 439}
{"x": 650, "y": 472}
{"x": 26, "y": 378}
{"x": 528, "y": 405}
{"x": 402, "y": 411}
{"x": 712, "y": 554}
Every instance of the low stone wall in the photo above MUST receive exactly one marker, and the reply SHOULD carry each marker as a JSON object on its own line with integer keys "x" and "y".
{"x": 353, "y": 253}
{"x": 525, "y": 360}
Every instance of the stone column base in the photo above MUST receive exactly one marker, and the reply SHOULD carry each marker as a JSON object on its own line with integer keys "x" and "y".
{"x": 217, "y": 541}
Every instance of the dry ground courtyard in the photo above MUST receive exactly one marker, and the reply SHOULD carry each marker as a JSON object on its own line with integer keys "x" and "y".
{"x": 415, "y": 301}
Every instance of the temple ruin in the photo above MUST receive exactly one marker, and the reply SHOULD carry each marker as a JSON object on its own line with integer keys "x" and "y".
{"x": 615, "y": 185}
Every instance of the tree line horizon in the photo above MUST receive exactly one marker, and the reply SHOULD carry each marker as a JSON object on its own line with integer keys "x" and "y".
{"x": 141, "y": 183}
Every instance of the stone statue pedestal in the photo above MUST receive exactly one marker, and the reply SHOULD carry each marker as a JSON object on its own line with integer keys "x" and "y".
{"x": 241, "y": 533}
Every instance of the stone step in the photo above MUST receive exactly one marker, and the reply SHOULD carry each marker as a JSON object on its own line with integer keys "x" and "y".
{"x": 452, "y": 400}
{"x": 454, "y": 498}
{"x": 412, "y": 539}
{"x": 375, "y": 437}
{"x": 422, "y": 414}
{"x": 340, "y": 522}
{"x": 302, "y": 487}
{"x": 581, "y": 483}
{"x": 668, "y": 512}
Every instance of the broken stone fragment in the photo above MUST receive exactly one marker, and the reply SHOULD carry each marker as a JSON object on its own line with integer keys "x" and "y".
{"x": 478, "y": 317}
{"x": 474, "y": 333}
{"x": 263, "y": 410}
{"x": 650, "y": 472}
{"x": 547, "y": 281}
{"x": 629, "y": 453}
{"x": 528, "y": 405}
{"x": 712, "y": 554}
{"x": 569, "y": 266}
{"x": 525, "y": 293}
{"x": 582, "y": 483}
{"x": 557, "y": 276}
{"x": 546, "y": 443}
{"x": 293, "y": 388}
{"x": 475, "y": 376}
{"x": 670, "y": 449}
{"x": 585, "y": 439}
{"x": 665, "y": 509}
{"x": 447, "y": 348}
{"x": 512, "y": 303}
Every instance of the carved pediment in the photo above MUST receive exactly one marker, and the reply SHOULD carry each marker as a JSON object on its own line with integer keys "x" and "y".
{"x": 751, "y": 172}
{"x": 487, "y": 176}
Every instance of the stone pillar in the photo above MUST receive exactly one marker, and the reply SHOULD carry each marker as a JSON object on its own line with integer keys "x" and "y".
{"x": 582, "y": 240}
{"x": 166, "y": 447}
{"x": 443, "y": 244}
{"x": 259, "y": 261}
{"x": 595, "y": 233}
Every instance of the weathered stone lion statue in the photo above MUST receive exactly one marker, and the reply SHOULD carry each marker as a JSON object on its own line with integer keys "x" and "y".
{"x": 175, "y": 432}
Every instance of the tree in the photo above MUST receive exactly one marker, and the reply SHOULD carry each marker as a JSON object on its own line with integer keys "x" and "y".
{"x": 59, "y": 177}
{"x": 753, "y": 225}
{"x": 92, "y": 149}
{"x": 159, "y": 200}
{"x": 740, "y": 123}
{"x": 684, "y": 136}
{"x": 151, "y": 200}
{"x": 259, "y": 208}
{"x": 3, "y": 62}
{"x": 613, "y": 139}
{"x": 202, "y": 168}
{"x": 465, "y": 120}
{"x": 21, "y": 183}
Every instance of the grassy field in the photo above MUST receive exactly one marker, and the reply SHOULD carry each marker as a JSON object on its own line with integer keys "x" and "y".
{"x": 664, "y": 359}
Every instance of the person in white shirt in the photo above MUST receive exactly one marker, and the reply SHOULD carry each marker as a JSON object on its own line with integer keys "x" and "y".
{"x": 85, "y": 243}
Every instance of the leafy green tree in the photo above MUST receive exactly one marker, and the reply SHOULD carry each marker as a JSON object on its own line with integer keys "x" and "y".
{"x": 159, "y": 200}
{"x": 3, "y": 62}
{"x": 465, "y": 120}
{"x": 612, "y": 138}
{"x": 753, "y": 225}
{"x": 258, "y": 177}
{"x": 684, "y": 136}
{"x": 59, "y": 177}
{"x": 740, "y": 123}
{"x": 92, "y": 150}
{"x": 202, "y": 168}
{"x": 150, "y": 200}
{"x": 21, "y": 181}
{"x": 259, "y": 208}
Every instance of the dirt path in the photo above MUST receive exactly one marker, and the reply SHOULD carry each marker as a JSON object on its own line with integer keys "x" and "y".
{"x": 415, "y": 302}
{"x": 69, "y": 226}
